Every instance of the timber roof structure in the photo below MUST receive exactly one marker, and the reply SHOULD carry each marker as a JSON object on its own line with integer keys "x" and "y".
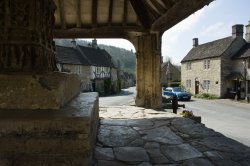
{"x": 119, "y": 18}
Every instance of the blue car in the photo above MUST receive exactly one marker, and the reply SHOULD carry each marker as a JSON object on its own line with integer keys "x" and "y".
{"x": 180, "y": 93}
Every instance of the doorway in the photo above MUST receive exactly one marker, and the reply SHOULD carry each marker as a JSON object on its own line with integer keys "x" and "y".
{"x": 196, "y": 87}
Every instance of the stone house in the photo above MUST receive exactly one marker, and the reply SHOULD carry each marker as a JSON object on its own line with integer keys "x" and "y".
{"x": 126, "y": 79}
{"x": 170, "y": 74}
{"x": 93, "y": 65}
{"x": 220, "y": 67}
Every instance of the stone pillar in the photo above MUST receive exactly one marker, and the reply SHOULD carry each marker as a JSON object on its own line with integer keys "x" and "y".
{"x": 148, "y": 63}
{"x": 27, "y": 58}
{"x": 26, "y": 39}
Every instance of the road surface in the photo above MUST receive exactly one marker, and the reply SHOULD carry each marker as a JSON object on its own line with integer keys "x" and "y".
{"x": 125, "y": 97}
{"x": 225, "y": 116}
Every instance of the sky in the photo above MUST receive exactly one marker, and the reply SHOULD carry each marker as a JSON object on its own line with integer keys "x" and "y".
{"x": 212, "y": 22}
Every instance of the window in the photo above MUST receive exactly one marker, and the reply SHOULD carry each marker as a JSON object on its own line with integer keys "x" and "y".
{"x": 207, "y": 64}
{"x": 189, "y": 66}
{"x": 206, "y": 85}
{"x": 188, "y": 83}
{"x": 248, "y": 66}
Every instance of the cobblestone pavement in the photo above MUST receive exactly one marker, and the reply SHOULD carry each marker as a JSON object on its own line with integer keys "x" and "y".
{"x": 131, "y": 135}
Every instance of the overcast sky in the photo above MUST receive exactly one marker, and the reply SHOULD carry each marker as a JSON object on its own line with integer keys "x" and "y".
{"x": 210, "y": 23}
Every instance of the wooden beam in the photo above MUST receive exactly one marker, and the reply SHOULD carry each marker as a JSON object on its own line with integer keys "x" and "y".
{"x": 158, "y": 6}
{"x": 178, "y": 12}
{"x": 101, "y": 32}
{"x": 125, "y": 14}
{"x": 78, "y": 12}
{"x": 141, "y": 13}
{"x": 110, "y": 11}
{"x": 62, "y": 13}
{"x": 94, "y": 13}
{"x": 168, "y": 3}
{"x": 152, "y": 11}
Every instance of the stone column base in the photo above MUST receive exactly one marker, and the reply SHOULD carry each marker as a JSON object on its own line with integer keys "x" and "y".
{"x": 50, "y": 137}
{"x": 48, "y": 91}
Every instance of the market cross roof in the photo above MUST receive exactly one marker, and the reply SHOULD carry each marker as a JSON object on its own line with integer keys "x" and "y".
{"x": 119, "y": 18}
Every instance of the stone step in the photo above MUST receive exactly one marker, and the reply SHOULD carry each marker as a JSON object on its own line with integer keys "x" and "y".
{"x": 48, "y": 160}
{"x": 47, "y": 135}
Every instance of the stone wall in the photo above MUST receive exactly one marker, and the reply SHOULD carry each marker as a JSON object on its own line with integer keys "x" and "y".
{"x": 228, "y": 63}
{"x": 198, "y": 73}
{"x": 50, "y": 137}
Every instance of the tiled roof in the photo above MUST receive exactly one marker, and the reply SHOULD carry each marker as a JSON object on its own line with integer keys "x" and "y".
{"x": 244, "y": 52}
{"x": 69, "y": 55}
{"x": 83, "y": 56}
{"x": 97, "y": 57}
{"x": 209, "y": 50}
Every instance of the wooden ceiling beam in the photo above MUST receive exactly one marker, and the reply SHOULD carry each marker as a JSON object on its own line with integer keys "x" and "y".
{"x": 178, "y": 12}
{"x": 78, "y": 11}
{"x": 141, "y": 13}
{"x": 110, "y": 11}
{"x": 94, "y": 13}
{"x": 168, "y": 3}
{"x": 62, "y": 13}
{"x": 152, "y": 11}
{"x": 158, "y": 6}
{"x": 125, "y": 12}
{"x": 102, "y": 32}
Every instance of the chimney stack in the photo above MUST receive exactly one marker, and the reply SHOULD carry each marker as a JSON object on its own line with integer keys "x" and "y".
{"x": 94, "y": 43}
{"x": 195, "y": 42}
{"x": 73, "y": 42}
{"x": 248, "y": 32}
{"x": 237, "y": 31}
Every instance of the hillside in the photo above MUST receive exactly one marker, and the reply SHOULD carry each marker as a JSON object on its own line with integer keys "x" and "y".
{"x": 122, "y": 58}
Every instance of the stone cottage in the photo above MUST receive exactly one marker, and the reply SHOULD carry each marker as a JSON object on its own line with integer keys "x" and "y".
{"x": 220, "y": 67}
{"x": 170, "y": 74}
{"x": 93, "y": 65}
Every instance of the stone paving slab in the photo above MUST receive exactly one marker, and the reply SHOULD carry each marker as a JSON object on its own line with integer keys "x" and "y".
{"x": 136, "y": 136}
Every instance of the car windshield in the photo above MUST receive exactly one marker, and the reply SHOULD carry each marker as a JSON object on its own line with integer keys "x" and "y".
{"x": 177, "y": 89}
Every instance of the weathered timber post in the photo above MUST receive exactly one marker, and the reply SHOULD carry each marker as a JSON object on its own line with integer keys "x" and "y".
{"x": 26, "y": 39}
{"x": 148, "y": 63}
{"x": 27, "y": 58}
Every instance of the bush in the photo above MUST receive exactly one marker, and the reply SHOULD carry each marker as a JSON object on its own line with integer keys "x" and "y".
{"x": 206, "y": 96}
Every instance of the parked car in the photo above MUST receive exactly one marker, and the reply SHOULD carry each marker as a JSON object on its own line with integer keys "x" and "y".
{"x": 180, "y": 93}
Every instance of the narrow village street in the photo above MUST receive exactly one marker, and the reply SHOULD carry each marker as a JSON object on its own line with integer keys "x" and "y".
{"x": 227, "y": 117}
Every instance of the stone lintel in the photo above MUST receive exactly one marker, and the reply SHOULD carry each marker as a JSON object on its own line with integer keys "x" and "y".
{"x": 38, "y": 91}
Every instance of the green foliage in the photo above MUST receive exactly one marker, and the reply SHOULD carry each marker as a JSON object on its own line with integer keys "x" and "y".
{"x": 123, "y": 59}
{"x": 206, "y": 96}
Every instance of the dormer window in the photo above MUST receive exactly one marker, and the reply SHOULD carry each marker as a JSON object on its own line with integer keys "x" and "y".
{"x": 207, "y": 64}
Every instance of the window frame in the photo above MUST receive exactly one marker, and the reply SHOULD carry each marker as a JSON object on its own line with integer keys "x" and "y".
{"x": 206, "y": 85}
{"x": 206, "y": 64}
